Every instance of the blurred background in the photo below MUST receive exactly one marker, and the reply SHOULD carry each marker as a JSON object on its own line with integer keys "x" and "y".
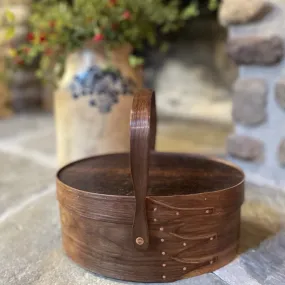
{"x": 176, "y": 48}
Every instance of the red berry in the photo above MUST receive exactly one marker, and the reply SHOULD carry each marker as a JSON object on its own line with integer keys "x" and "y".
{"x": 30, "y": 37}
{"x": 42, "y": 38}
{"x": 126, "y": 15}
{"x": 98, "y": 37}
{"x": 112, "y": 2}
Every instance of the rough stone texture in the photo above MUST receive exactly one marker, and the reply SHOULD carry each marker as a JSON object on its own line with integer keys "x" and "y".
{"x": 280, "y": 93}
{"x": 262, "y": 240}
{"x": 244, "y": 147}
{"x": 201, "y": 69}
{"x": 281, "y": 153}
{"x": 241, "y": 11}
{"x": 19, "y": 125}
{"x": 44, "y": 143}
{"x": 249, "y": 102}
{"x": 256, "y": 50}
{"x": 31, "y": 179}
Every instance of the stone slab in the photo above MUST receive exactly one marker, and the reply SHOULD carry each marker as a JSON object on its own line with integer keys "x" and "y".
{"x": 242, "y": 11}
{"x": 44, "y": 143}
{"x": 281, "y": 152}
{"x": 21, "y": 124}
{"x": 249, "y": 101}
{"x": 256, "y": 50}
{"x": 280, "y": 93}
{"x": 20, "y": 178}
{"x": 262, "y": 250}
{"x": 244, "y": 147}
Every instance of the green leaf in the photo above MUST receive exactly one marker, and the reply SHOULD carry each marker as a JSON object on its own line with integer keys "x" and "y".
{"x": 10, "y": 32}
{"x": 39, "y": 73}
{"x": 190, "y": 11}
{"x": 213, "y": 5}
{"x": 135, "y": 60}
{"x": 10, "y": 17}
{"x": 164, "y": 47}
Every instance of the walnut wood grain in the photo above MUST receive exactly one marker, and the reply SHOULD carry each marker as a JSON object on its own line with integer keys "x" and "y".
{"x": 142, "y": 140}
{"x": 190, "y": 218}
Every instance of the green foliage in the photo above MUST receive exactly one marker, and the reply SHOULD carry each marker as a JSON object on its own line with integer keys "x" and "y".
{"x": 59, "y": 27}
{"x": 135, "y": 60}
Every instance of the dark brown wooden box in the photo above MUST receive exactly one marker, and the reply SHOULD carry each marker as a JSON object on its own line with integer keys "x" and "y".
{"x": 148, "y": 216}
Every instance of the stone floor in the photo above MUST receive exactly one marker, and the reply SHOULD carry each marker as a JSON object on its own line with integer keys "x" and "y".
{"x": 30, "y": 245}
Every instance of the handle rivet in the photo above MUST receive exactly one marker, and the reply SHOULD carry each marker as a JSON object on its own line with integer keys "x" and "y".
{"x": 163, "y": 276}
{"x": 211, "y": 238}
{"x": 177, "y": 213}
{"x": 139, "y": 241}
{"x": 184, "y": 244}
{"x": 163, "y": 253}
{"x": 162, "y": 240}
{"x": 207, "y": 211}
{"x": 161, "y": 229}
{"x": 184, "y": 268}
{"x": 163, "y": 265}
{"x": 211, "y": 262}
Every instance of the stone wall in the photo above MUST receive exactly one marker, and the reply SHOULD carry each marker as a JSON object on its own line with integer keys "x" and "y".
{"x": 256, "y": 43}
{"x": 193, "y": 79}
{"x": 25, "y": 89}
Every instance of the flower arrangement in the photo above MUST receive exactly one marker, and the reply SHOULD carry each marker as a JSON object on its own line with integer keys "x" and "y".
{"x": 59, "y": 27}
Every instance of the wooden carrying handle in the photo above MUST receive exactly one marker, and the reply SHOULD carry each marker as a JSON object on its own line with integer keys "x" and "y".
{"x": 142, "y": 140}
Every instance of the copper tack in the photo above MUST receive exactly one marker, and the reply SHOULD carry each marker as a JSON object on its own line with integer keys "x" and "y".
{"x": 139, "y": 241}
